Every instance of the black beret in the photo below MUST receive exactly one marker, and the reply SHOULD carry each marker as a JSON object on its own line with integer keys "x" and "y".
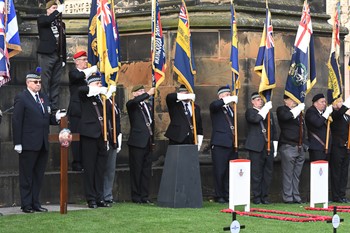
{"x": 94, "y": 78}
{"x": 317, "y": 97}
{"x": 224, "y": 89}
{"x": 254, "y": 95}
{"x": 182, "y": 88}
{"x": 137, "y": 87}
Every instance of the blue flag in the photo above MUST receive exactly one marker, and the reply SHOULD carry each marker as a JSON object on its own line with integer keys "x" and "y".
{"x": 236, "y": 85}
{"x": 302, "y": 71}
{"x": 334, "y": 77}
{"x": 157, "y": 47}
{"x": 184, "y": 65}
{"x": 103, "y": 40}
{"x": 265, "y": 61}
{"x": 9, "y": 38}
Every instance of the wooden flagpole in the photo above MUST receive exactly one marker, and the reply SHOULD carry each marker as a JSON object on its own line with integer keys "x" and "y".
{"x": 327, "y": 136}
{"x": 194, "y": 124}
{"x": 268, "y": 133}
{"x": 235, "y": 125}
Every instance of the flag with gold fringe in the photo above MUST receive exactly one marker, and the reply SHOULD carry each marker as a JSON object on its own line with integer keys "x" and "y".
{"x": 236, "y": 85}
{"x": 157, "y": 47}
{"x": 334, "y": 77}
{"x": 302, "y": 71}
{"x": 184, "y": 65}
{"x": 265, "y": 61}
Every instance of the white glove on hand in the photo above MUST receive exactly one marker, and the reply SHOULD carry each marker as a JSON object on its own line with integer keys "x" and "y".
{"x": 200, "y": 141}
{"x": 112, "y": 89}
{"x": 18, "y": 148}
{"x": 328, "y": 111}
{"x": 60, "y": 8}
{"x": 59, "y": 115}
{"x": 264, "y": 110}
{"x": 103, "y": 90}
{"x": 119, "y": 143}
{"x": 347, "y": 102}
{"x": 63, "y": 64}
{"x": 275, "y": 146}
{"x": 189, "y": 96}
{"x": 89, "y": 71}
{"x": 297, "y": 110}
{"x": 93, "y": 91}
{"x": 230, "y": 99}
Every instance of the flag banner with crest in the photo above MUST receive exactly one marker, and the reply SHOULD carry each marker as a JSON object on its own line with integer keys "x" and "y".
{"x": 236, "y": 85}
{"x": 265, "y": 61}
{"x": 103, "y": 41}
{"x": 157, "y": 47}
{"x": 302, "y": 71}
{"x": 334, "y": 77}
{"x": 9, "y": 38}
{"x": 184, "y": 65}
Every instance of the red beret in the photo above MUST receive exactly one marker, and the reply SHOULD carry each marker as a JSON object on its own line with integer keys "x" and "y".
{"x": 79, "y": 54}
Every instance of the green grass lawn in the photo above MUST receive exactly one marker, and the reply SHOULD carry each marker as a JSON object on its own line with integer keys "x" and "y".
{"x": 129, "y": 217}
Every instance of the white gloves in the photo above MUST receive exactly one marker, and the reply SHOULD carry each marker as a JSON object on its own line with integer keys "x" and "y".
{"x": 60, "y": 8}
{"x": 264, "y": 110}
{"x": 18, "y": 148}
{"x": 297, "y": 110}
{"x": 89, "y": 71}
{"x": 119, "y": 143}
{"x": 60, "y": 114}
{"x": 275, "y": 146}
{"x": 230, "y": 99}
{"x": 189, "y": 96}
{"x": 112, "y": 89}
{"x": 347, "y": 102}
{"x": 328, "y": 111}
{"x": 95, "y": 90}
{"x": 103, "y": 90}
{"x": 200, "y": 141}
{"x": 63, "y": 64}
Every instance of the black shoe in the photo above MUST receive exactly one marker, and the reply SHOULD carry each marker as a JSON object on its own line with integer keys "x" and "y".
{"x": 345, "y": 200}
{"x": 227, "y": 199}
{"x": 289, "y": 202}
{"x": 220, "y": 200}
{"x": 137, "y": 201}
{"x": 266, "y": 202}
{"x": 146, "y": 201}
{"x": 257, "y": 201}
{"x": 110, "y": 201}
{"x": 27, "y": 209}
{"x": 338, "y": 200}
{"x": 103, "y": 204}
{"x": 77, "y": 167}
{"x": 92, "y": 204}
{"x": 40, "y": 209}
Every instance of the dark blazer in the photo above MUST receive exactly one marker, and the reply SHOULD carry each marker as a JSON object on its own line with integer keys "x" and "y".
{"x": 221, "y": 134}
{"x": 179, "y": 127}
{"x": 90, "y": 125}
{"x": 139, "y": 134}
{"x": 316, "y": 124}
{"x": 76, "y": 80}
{"x": 30, "y": 126}
{"x": 255, "y": 138}
{"x": 47, "y": 41}
{"x": 340, "y": 127}
{"x": 290, "y": 127}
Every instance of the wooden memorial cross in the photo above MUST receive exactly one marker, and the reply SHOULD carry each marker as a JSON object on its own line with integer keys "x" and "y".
{"x": 64, "y": 165}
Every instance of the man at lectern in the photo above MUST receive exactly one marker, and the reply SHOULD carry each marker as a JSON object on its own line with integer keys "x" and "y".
{"x": 180, "y": 130}
{"x": 222, "y": 141}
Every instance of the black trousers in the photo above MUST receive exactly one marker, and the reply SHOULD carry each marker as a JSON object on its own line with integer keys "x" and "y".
{"x": 339, "y": 165}
{"x": 261, "y": 174}
{"x": 32, "y": 165}
{"x": 94, "y": 162}
{"x": 140, "y": 163}
{"x": 75, "y": 146}
{"x": 221, "y": 157}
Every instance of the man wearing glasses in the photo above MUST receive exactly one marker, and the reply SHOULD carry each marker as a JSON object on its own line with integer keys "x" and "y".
{"x": 77, "y": 78}
{"x": 30, "y": 124}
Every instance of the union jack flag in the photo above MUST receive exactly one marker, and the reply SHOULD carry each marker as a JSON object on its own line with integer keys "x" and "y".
{"x": 183, "y": 15}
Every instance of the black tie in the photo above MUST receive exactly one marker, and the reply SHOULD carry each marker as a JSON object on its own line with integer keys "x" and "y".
{"x": 187, "y": 112}
{"x": 39, "y": 102}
